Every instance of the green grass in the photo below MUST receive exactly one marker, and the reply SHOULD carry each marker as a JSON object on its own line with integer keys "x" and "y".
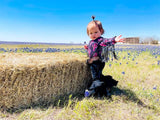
{"x": 137, "y": 96}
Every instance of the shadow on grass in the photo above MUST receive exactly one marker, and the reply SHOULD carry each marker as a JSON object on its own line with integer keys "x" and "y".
{"x": 63, "y": 101}
{"x": 129, "y": 95}
{"x": 59, "y": 102}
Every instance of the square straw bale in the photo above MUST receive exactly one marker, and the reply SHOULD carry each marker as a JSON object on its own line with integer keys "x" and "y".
{"x": 31, "y": 78}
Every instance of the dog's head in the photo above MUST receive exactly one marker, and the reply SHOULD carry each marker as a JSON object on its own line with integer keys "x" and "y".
{"x": 109, "y": 81}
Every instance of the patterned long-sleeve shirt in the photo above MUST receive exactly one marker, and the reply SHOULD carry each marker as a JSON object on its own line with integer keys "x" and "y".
{"x": 93, "y": 44}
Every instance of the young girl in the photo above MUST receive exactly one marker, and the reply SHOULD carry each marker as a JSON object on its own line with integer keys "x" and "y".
{"x": 94, "y": 31}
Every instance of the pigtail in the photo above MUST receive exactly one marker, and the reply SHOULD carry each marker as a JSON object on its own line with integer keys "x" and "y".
{"x": 93, "y": 17}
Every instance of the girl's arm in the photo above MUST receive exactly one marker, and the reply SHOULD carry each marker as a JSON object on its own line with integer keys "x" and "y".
{"x": 108, "y": 41}
{"x": 112, "y": 40}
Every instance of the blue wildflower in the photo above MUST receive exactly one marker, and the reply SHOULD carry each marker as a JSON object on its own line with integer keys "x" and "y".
{"x": 155, "y": 87}
{"x": 123, "y": 72}
{"x": 151, "y": 95}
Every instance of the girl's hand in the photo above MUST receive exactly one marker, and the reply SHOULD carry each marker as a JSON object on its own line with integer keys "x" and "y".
{"x": 119, "y": 39}
{"x": 85, "y": 47}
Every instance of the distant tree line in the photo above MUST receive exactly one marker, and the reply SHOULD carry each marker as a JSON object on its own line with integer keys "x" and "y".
{"x": 149, "y": 40}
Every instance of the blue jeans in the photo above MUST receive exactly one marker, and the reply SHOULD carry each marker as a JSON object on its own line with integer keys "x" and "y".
{"x": 96, "y": 69}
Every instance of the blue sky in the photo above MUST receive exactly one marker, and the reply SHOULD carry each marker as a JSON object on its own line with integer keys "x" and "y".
{"x": 65, "y": 21}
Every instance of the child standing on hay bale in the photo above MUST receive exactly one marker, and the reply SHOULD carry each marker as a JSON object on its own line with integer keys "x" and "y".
{"x": 94, "y": 48}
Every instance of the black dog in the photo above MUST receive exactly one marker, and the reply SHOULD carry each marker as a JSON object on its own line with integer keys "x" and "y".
{"x": 105, "y": 88}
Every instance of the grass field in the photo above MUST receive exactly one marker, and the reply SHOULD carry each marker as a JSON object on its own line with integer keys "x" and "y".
{"x": 137, "y": 96}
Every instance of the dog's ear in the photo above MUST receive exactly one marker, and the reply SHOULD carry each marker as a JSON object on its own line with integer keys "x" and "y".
{"x": 115, "y": 83}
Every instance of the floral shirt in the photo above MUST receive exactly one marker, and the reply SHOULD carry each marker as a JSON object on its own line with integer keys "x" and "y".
{"x": 93, "y": 44}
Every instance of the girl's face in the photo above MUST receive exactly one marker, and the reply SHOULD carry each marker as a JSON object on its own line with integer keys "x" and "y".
{"x": 94, "y": 33}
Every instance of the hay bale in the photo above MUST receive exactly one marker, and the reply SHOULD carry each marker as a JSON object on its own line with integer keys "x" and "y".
{"x": 40, "y": 77}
